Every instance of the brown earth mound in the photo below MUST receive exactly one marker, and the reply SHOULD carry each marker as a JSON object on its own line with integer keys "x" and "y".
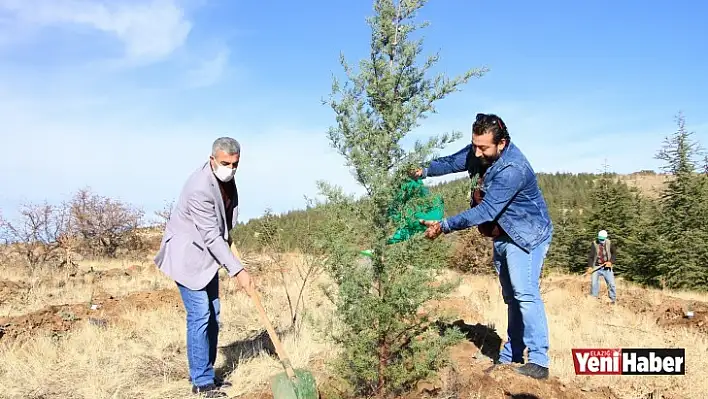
{"x": 102, "y": 310}
{"x": 475, "y": 377}
{"x": 675, "y": 313}
{"x": 670, "y": 312}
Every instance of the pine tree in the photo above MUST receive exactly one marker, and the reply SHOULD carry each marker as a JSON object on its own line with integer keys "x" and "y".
{"x": 613, "y": 208}
{"x": 638, "y": 244}
{"x": 388, "y": 342}
{"x": 676, "y": 253}
{"x": 566, "y": 224}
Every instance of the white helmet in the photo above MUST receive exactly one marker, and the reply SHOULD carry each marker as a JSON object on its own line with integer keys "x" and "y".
{"x": 602, "y": 235}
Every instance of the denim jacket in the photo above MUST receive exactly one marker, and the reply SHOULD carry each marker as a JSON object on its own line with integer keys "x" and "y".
{"x": 511, "y": 196}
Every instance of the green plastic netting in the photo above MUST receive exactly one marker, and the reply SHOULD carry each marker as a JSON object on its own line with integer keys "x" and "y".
{"x": 412, "y": 203}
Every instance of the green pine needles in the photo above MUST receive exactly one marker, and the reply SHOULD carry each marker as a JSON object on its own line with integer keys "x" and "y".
{"x": 674, "y": 251}
{"x": 388, "y": 343}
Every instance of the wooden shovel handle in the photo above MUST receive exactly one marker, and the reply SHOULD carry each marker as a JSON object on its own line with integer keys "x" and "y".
{"x": 271, "y": 332}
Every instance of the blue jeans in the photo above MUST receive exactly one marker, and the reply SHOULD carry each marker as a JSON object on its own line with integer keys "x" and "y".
{"x": 519, "y": 274}
{"x": 203, "y": 309}
{"x": 609, "y": 277}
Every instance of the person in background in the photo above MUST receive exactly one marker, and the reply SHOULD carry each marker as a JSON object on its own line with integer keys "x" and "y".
{"x": 507, "y": 206}
{"x": 602, "y": 257}
{"x": 195, "y": 245}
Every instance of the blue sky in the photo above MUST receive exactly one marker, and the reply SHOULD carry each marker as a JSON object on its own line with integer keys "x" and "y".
{"x": 127, "y": 96}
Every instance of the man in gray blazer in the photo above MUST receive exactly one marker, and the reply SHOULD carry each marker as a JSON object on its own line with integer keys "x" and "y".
{"x": 196, "y": 243}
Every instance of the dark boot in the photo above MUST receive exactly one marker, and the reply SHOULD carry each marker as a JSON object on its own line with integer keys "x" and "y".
{"x": 218, "y": 381}
{"x": 209, "y": 391}
{"x": 534, "y": 371}
{"x": 221, "y": 383}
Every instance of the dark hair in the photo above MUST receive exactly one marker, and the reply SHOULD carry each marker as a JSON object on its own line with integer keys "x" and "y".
{"x": 490, "y": 123}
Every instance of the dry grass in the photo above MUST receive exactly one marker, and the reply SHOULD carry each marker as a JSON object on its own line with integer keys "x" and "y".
{"x": 46, "y": 287}
{"x": 577, "y": 320}
{"x": 142, "y": 354}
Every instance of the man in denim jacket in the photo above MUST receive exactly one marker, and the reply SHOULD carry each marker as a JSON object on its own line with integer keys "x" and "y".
{"x": 511, "y": 209}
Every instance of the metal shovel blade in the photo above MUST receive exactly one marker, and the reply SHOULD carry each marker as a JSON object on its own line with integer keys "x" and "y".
{"x": 303, "y": 387}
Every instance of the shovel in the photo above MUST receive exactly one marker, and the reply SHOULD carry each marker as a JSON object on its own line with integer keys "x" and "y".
{"x": 292, "y": 384}
{"x": 587, "y": 273}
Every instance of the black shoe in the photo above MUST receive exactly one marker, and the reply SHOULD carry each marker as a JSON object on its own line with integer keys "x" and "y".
{"x": 209, "y": 391}
{"x": 534, "y": 371}
{"x": 219, "y": 382}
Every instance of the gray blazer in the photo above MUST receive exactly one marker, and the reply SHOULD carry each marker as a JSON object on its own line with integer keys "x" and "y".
{"x": 196, "y": 239}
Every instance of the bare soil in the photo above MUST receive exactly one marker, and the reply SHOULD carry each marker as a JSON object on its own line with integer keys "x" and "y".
{"x": 474, "y": 376}
{"x": 104, "y": 309}
{"x": 674, "y": 314}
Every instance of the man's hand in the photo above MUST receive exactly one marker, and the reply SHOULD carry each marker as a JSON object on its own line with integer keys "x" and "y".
{"x": 244, "y": 280}
{"x": 416, "y": 173}
{"x": 434, "y": 229}
{"x": 608, "y": 264}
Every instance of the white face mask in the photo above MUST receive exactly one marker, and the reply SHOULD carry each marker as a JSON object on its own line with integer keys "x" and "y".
{"x": 223, "y": 173}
